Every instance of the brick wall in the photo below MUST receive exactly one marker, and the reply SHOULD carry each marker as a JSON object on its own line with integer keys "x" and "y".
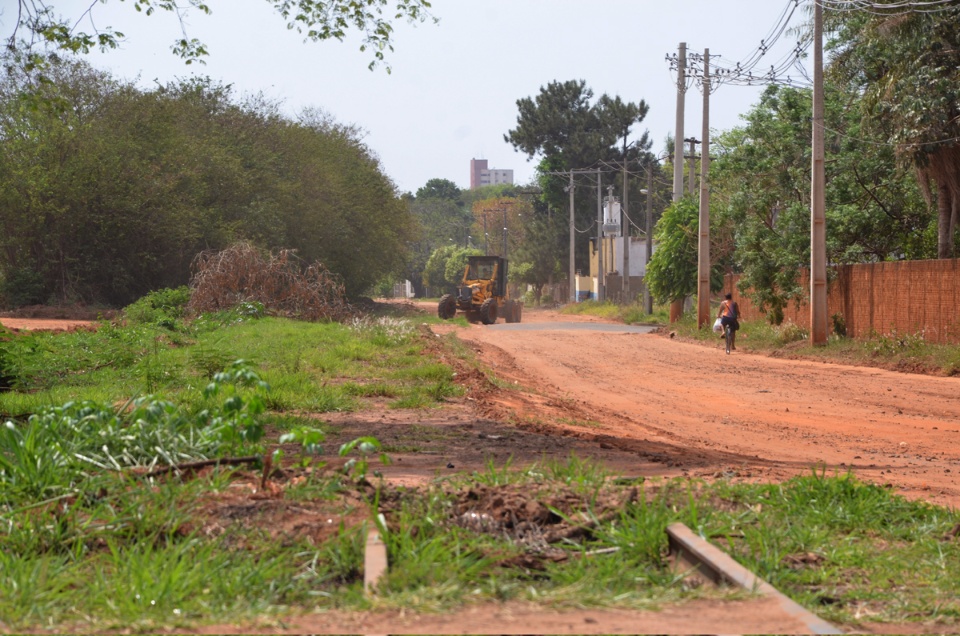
{"x": 901, "y": 296}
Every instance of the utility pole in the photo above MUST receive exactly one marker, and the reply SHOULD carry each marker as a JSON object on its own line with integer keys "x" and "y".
{"x": 600, "y": 290}
{"x": 692, "y": 177}
{"x": 647, "y": 298}
{"x": 609, "y": 255}
{"x": 676, "y": 307}
{"x": 625, "y": 231}
{"x": 573, "y": 273}
{"x": 818, "y": 229}
{"x": 678, "y": 138}
{"x": 703, "y": 259}
{"x": 485, "y": 252}
{"x": 504, "y": 232}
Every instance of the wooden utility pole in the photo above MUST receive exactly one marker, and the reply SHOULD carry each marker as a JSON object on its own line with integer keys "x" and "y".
{"x": 600, "y": 290}
{"x": 573, "y": 271}
{"x": 818, "y": 230}
{"x": 703, "y": 261}
{"x": 678, "y": 138}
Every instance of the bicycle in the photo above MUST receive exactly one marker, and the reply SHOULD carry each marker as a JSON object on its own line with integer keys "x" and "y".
{"x": 728, "y": 336}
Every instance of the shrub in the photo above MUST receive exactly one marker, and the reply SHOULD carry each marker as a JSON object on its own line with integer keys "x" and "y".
{"x": 243, "y": 276}
{"x": 22, "y": 287}
{"x": 789, "y": 332}
{"x": 159, "y": 307}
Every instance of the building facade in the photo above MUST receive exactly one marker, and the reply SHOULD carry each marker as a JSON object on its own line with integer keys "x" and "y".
{"x": 481, "y": 175}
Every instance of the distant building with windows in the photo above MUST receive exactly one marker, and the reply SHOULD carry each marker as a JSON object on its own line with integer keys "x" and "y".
{"x": 481, "y": 175}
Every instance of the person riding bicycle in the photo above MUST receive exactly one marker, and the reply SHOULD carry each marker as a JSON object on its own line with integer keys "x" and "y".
{"x": 728, "y": 315}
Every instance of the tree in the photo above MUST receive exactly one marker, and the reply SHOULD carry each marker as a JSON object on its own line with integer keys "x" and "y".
{"x": 444, "y": 269}
{"x": 316, "y": 20}
{"x": 561, "y": 124}
{"x": 108, "y": 192}
{"x": 442, "y": 189}
{"x": 907, "y": 67}
{"x": 567, "y": 131}
{"x": 443, "y": 220}
{"x": 760, "y": 196}
{"x": 535, "y": 261}
{"x": 672, "y": 270}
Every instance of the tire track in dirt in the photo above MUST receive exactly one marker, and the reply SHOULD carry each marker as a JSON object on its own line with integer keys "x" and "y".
{"x": 706, "y": 411}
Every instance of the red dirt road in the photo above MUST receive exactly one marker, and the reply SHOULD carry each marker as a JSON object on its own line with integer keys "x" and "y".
{"x": 44, "y": 324}
{"x": 703, "y": 413}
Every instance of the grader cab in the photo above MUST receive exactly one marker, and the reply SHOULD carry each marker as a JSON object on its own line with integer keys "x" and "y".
{"x": 482, "y": 295}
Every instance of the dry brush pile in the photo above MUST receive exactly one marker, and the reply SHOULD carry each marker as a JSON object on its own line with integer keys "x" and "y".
{"x": 278, "y": 281}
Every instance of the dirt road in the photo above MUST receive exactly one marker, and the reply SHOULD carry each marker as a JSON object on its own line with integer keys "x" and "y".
{"x": 701, "y": 412}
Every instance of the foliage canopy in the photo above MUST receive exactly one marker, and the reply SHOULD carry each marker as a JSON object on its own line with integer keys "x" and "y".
{"x": 108, "y": 191}
{"x": 316, "y": 20}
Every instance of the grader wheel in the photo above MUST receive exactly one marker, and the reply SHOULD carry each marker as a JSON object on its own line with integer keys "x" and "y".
{"x": 447, "y": 308}
{"x": 488, "y": 311}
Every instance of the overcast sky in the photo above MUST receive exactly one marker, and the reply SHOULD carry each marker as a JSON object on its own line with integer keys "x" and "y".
{"x": 454, "y": 86}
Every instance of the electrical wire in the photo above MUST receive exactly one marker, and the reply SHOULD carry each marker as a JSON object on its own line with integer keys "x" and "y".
{"x": 890, "y": 144}
{"x": 745, "y": 72}
{"x": 892, "y": 8}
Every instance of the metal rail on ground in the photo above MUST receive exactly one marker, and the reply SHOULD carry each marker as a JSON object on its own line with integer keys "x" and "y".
{"x": 688, "y": 548}
{"x": 715, "y": 564}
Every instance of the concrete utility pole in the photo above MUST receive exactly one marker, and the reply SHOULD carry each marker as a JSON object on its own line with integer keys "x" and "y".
{"x": 703, "y": 261}
{"x": 818, "y": 225}
{"x": 676, "y": 307}
{"x": 625, "y": 231}
{"x": 647, "y": 298}
{"x": 600, "y": 289}
{"x": 573, "y": 272}
{"x": 485, "y": 252}
{"x": 692, "y": 177}
{"x": 504, "y": 232}
{"x": 678, "y": 138}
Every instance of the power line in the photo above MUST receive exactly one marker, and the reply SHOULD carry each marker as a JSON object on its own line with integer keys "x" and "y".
{"x": 746, "y": 72}
{"x": 893, "y": 8}
{"x": 891, "y": 144}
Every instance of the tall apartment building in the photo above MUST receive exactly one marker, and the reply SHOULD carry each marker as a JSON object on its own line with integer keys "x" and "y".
{"x": 481, "y": 175}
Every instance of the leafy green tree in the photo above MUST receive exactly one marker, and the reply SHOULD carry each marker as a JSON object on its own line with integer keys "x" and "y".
{"x": 317, "y": 20}
{"x": 442, "y": 189}
{"x": 907, "y": 67}
{"x": 672, "y": 270}
{"x": 535, "y": 261}
{"x": 442, "y": 219}
{"x": 435, "y": 272}
{"x": 444, "y": 270}
{"x": 108, "y": 192}
{"x": 457, "y": 263}
{"x": 567, "y": 130}
{"x": 761, "y": 223}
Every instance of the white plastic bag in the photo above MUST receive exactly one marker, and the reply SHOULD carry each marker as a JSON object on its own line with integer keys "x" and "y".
{"x": 718, "y": 326}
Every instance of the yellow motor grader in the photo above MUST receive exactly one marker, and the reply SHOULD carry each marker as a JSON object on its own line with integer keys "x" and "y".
{"x": 483, "y": 293}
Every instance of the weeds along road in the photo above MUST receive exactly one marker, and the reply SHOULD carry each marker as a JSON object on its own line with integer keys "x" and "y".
{"x": 767, "y": 417}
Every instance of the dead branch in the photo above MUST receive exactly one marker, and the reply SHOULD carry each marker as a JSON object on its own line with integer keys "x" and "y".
{"x": 190, "y": 466}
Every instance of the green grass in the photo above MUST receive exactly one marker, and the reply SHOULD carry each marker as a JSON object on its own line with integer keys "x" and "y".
{"x": 863, "y": 546}
{"x": 124, "y": 552}
{"x": 904, "y": 351}
{"x": 86, "y": 542}
{"x": 629, "y": 314}
{"x": 303, "y": 362}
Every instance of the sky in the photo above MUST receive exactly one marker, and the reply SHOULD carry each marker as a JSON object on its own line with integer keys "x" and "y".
{"x": 452, "y": 92}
